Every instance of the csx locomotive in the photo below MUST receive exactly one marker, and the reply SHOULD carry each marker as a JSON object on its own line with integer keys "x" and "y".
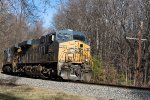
{"x": 62, "y": 54}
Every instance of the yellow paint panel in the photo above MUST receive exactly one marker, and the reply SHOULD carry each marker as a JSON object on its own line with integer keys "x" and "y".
{"x": 74, "y": 51}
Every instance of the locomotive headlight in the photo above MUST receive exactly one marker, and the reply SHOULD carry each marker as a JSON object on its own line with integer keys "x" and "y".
{"x": 86, "y": 60}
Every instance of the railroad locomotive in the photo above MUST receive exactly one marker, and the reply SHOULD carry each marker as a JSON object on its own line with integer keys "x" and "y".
{"x": 62, "y": 54}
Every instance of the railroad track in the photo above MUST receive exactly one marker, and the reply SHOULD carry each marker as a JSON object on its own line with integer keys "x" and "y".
{"x": 100, "y": 91}
{"x": 91, "y": 83}
{"x": 113, "y": 85}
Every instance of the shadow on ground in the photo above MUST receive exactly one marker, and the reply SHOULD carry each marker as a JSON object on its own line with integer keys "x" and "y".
{"x": 10, "y": 82}
{"x": 8, "y": 97}
{"x": 141, "y": 94}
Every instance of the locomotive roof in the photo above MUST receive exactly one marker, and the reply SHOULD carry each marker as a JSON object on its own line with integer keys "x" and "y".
{"x": 37, "y": 41}
{"x": 71, "y": 32}
{"x": 67, "y": 35}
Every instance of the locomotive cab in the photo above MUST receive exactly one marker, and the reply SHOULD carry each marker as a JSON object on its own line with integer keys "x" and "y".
{"x": 69, "y": 35}
{"x": 74, "y": 60}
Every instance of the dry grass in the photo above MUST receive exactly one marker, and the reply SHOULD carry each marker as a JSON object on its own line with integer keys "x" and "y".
{"x": 23, "y": 92}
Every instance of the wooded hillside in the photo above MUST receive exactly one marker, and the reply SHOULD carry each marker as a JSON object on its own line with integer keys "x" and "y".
{"x": 107, "y": 23}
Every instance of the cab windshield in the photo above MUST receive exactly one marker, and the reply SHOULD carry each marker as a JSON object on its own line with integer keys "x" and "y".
{"x": 79, "y": 36}
{"x": 63, "y": 36}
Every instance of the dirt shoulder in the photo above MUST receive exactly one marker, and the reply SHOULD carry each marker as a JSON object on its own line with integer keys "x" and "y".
{"x": 11, "y": 91}
{"x": 24, "y": 92}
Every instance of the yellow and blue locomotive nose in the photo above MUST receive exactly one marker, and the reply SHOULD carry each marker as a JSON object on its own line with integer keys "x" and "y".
{"x": 74, "y": 60}
{"x": 74, "y": 51}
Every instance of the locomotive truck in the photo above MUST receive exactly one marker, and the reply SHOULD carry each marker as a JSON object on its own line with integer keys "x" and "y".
{"x": 62, "y": 54}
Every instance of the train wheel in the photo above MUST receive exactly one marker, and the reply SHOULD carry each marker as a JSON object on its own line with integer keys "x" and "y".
{"x": 7, "y": 69}
{"x": 65, "y": 74}
{"x": 86, "y": 76}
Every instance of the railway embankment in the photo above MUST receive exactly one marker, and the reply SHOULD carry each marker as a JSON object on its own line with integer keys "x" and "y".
{"x": 96, "y": 91}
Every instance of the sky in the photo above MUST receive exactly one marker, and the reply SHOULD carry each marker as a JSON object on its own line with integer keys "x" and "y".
{"x": 44, "y": 11}
{"x": 47, "y": 17}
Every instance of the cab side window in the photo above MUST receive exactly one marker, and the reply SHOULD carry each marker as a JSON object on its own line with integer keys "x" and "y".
{"x": 42, "y": 40}
{"x": 51, "y": 38}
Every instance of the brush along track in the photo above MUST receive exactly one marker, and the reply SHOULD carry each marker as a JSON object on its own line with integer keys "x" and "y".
{"x": 100, "y": 91}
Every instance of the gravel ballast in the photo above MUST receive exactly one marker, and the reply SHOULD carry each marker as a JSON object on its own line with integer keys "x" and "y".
{"x": 98, "y": 91}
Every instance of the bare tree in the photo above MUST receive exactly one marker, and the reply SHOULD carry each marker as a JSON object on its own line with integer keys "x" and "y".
{"x": 107, "y": 24}
{"x": 15, "y": 21}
